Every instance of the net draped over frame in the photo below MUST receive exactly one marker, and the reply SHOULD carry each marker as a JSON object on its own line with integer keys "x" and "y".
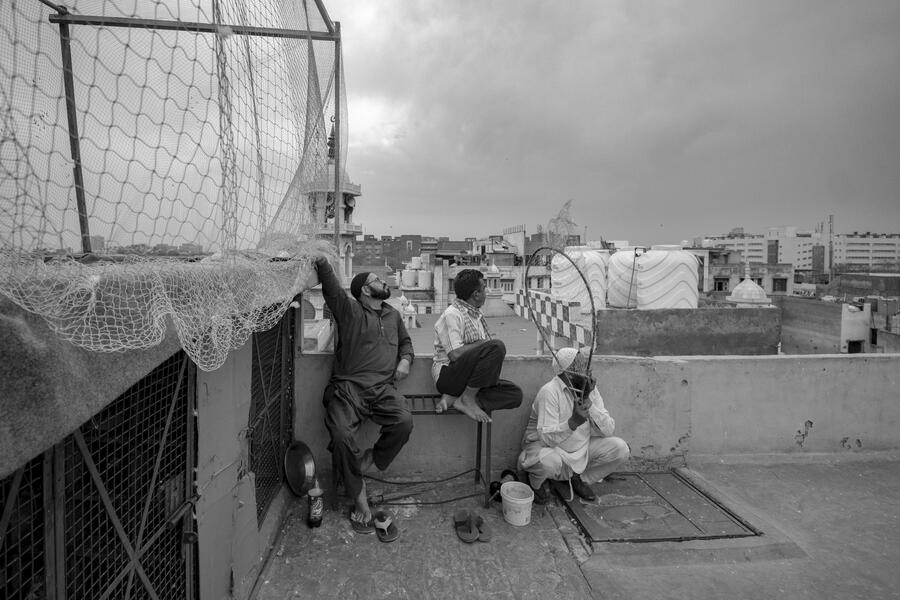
{"x": 199, "y": 152}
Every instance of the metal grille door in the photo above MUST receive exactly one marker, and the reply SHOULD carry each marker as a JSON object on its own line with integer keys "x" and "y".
{"x": 271, "y": 411}
{"x": 128, "y": 477}
{"x": 23, "y": 560}
{"x": 107, "y": 513}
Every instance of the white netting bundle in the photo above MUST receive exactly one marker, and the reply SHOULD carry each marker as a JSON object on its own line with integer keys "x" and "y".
{"x": 202, "y": 130}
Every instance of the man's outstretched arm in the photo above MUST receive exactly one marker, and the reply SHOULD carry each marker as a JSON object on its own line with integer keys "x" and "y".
{"x": 332, "y": 291}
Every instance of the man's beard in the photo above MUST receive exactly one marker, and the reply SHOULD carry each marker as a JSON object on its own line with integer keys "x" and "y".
{"x": 383, "y": 294}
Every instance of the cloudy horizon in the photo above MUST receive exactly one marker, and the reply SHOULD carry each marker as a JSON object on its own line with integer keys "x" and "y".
{"x": 659, "y": 122}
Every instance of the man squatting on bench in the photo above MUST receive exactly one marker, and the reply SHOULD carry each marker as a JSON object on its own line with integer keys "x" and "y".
{"x": 467, "y": 361}
{"x": 373, "y": 351}
{"x": 569, "y": 433}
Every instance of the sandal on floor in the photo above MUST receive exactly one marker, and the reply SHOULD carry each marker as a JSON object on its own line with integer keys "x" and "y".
{"x": 465, "y": 526}
{"x": 360, "y": 525}
{"x": 384, "y": 526}
{"x": 484, "y": 532}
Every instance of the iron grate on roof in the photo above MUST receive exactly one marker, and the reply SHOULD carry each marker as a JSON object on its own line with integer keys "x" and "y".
{"x": 22, "y": 531}
{"x": 103, "y": 513}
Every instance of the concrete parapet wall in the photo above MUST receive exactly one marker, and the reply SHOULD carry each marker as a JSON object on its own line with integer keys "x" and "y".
{"x": 664, "y": 407}
{"x": 679, "y": 332}
{"x": 661, "y": 332}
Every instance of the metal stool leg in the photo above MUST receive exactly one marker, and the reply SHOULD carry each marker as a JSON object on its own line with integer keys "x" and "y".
{"x": 487, "y": 468}
{"x": 478, "y": 474}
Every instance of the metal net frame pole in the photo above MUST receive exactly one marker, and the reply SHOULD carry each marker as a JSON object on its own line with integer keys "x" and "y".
{"x": 338, "y": 196}
{"x": 64, "y": 19}
{"x": 74, "y": 139}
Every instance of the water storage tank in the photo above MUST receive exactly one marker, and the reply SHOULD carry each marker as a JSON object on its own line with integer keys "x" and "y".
{"x": 596, "y": 262}
{"x": 667, "y": 277}
{"x": 566, "y": 284}
{"x": 621, "y": 280}
{"x": 425, "y": 278}
{"x": 408, "y": 278}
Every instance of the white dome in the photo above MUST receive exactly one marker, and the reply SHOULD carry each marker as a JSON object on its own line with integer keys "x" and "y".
{"x": 748, "y": 292}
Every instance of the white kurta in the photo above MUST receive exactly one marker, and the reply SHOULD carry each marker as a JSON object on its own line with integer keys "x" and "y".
{"x": 548, "y": 430}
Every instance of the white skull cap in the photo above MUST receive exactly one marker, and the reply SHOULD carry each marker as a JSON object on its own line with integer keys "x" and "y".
{"x": 564, "y": 359}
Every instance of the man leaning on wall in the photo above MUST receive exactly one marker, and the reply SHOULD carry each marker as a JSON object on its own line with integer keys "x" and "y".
{"x": 372, "y": 353}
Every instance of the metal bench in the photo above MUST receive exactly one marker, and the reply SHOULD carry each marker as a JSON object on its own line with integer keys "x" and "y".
{"x": 423, "y": 404}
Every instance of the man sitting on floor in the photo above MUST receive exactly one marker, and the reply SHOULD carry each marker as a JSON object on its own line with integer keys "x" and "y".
{"x": 467, "y": 361}
{"x": 569, "y": 433}
{"x": 372, "y": 353}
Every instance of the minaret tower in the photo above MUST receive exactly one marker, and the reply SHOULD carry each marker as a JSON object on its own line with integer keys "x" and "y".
{"x": 321, "y": 197}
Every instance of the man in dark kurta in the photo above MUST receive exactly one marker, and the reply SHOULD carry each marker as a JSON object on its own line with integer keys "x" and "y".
{"x": 373, "y": 351}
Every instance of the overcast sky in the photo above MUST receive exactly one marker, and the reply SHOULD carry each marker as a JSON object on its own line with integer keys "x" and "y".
{"x": 661, "y": 121}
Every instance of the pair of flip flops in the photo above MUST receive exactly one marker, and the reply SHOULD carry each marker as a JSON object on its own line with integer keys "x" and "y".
{"x": 381, "y": 523}
{"x": 471, "y": 527}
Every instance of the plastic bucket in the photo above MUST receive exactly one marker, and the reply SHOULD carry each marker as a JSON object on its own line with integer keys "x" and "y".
{"x": 517, "y": 498}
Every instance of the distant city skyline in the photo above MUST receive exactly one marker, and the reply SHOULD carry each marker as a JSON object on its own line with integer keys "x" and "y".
{"x": 532, "y": 229}
{"x": 659, "y": 122}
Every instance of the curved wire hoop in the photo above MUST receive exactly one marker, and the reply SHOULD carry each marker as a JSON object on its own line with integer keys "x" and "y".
{"x": 531, "y": 308}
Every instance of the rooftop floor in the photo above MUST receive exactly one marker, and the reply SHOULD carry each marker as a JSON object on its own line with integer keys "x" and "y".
{"x": 830, "y": 526}
{"x": 518, "y": 334}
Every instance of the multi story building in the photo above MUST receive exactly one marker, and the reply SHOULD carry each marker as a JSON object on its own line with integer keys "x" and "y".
{"x": 368, "y": 250}
{"x": 753, "y": 247}
{"x": 813, "y": 252}
{"x": 803, "y": 249}
{"x": 866, "y": 251}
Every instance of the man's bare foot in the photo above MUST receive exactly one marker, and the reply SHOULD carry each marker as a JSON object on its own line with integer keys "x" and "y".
{"x": 468, "y": 407}
{"x": 446, "y": 401}
{"x": 362, "y": 515}
{"x": 366, "y": 462}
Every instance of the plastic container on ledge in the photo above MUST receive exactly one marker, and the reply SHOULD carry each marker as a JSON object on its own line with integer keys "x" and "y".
{"x": 667, "y": 277}
{"x": 567, "y": 285}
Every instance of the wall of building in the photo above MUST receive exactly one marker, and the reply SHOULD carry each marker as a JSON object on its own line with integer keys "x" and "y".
{"x": 666, "y": 408}
{"x": 862, "y": 284}
{"x": 888, "y": 342}
{"x": 856, "y": 325}
{"x": 764, "y": 275}
{"x": 668, "y": 332}
{"x": 232, "y": 545}
{"x": 809, "y": 326}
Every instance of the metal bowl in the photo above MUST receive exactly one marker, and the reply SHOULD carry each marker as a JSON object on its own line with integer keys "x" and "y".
{"x": 299, "y": 468}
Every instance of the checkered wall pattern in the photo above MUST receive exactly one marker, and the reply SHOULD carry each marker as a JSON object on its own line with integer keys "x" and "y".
{"x": 553, "y": 315}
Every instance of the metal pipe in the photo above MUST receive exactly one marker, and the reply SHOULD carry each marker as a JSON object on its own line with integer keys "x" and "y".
{"x": 101, "y": 21}
{"x": 56, "y": 7}
{"x": 322, "y": 11}
{"x": 337, "y": 139}
{"x": 74, "y": 146}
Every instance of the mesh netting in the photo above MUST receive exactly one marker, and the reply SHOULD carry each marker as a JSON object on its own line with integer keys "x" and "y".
{"x": 202, "y": 130}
